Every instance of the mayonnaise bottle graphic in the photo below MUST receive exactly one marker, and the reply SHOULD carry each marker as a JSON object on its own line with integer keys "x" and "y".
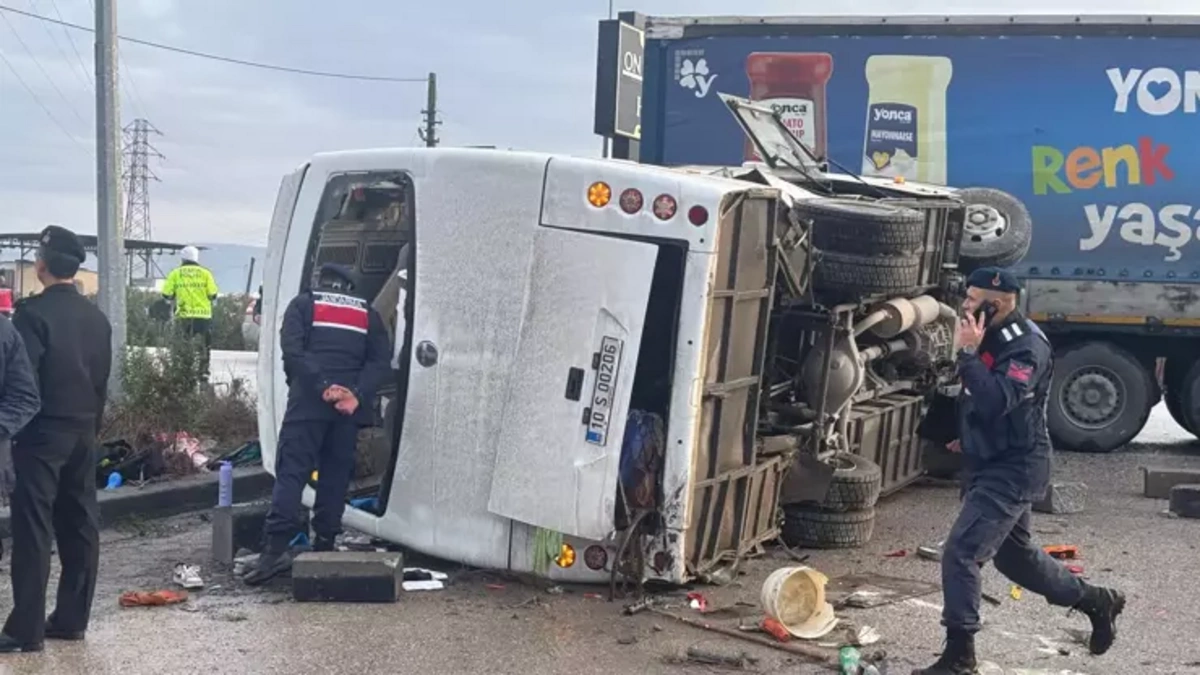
{"x": 906, "y": 117}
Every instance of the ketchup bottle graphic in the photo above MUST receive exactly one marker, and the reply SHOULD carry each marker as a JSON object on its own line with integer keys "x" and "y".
{"x": 794, "y": 85}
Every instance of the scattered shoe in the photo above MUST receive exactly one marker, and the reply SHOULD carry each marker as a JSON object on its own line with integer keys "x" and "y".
{"x": 957, "y": 659}
{"x": 1102, "y": 606}
{"x": 187, "y": 576}
{"x": 11, "y": 645}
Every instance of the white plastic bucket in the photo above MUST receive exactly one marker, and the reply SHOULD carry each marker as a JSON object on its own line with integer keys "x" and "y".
{"x": 795, "y": 597}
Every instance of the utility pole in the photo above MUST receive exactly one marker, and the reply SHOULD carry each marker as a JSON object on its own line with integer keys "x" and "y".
{"x": 137, "y": 177}
{"x": 109, "y": 244}
{"x": 429, "y": 131}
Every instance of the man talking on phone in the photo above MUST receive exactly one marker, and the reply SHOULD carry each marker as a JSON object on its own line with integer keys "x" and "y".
{"x": 1004, "y": 363}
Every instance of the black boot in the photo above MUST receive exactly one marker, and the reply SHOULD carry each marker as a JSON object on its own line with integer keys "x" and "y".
{"x": 1102, "y": 606}
{"x": 323, "y": 544}
{"x": 957, "y": 659}
{"x": 273, "y": 561}
{"x": 11, "y": 645}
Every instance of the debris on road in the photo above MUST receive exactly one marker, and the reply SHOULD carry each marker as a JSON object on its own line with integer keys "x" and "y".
{"x": 420, "y": 579}
{"x": 1157, "y": 483}
{"x": 1062, "y": 551}
{"x": 1077, "y": 570}
{"x": 188, "y": 577}
{"x": 775, "y": 629}
{"x": 1185, "y": 501}
{"x": 795, "y": 596}
{"x": 991, "y": 599}
{"x": 1015, "y": 592}
{"x": 898, "y": 553}
{"x": 933, "y": 553}
{"x": 698, "y": 602}
{"x": 152, "y": 598}
{"x": 1063, "y": 498}
{"x": 712, "y": 656}
{"x": 867, "y": 590}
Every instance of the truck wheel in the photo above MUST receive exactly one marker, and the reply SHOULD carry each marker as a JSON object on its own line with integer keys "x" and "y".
{"x": 858, "y": 227}
{"x": 812, "y": 528}
{"x": 1174, "y": 375}
{"x": 996, "y": 231}
{"x": 1189, "y": 399}
{"x": 856, "y": 484}
{"x": 867, "y": 275}
{"x": 1100, "y": 398}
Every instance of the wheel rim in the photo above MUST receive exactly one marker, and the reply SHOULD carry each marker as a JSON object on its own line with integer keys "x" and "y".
{"x": 1093, "y": 397}
{"x": 984, "y": 223}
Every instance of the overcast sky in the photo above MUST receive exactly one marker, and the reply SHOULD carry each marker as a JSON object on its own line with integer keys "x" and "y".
{"x": 514, "y": 74}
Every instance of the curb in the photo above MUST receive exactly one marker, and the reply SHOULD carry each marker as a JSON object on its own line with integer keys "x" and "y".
{"x": 160, "y": 500}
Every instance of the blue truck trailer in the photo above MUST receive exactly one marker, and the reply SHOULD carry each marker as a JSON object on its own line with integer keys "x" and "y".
{"x": 1090, "y": 123}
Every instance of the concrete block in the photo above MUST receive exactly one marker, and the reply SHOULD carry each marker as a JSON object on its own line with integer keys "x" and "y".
{"x": 1185, "y": 501}
{"x": 1157, "y": 483}
{"x": 347, "y": 576}
{"x": 1063, "y": 498}
{"x": 248, "y": 522}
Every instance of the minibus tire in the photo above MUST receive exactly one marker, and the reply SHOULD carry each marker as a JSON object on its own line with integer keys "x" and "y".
{"x": 856, "y": 484}
{"x": 859, "y": 227}
{"x": 867, "y": 275}
{"x": 808, "y": 527}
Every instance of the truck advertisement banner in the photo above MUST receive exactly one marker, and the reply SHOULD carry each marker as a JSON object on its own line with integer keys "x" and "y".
{"x": 1097, "y": 136}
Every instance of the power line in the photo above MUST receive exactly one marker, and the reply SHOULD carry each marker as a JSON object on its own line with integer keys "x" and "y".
{"x": 225, "y": 59}
{"x": 38, "y": 63}
{"x": 87, "y": 80}
{"x": 38, "y": 101}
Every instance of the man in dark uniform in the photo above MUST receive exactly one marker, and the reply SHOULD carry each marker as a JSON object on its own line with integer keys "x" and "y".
{"x": 1005, "y": 365}
{"x": 335, "y": 355}
{"x": 69, "y": 342}
{"x": 19, "y": 402}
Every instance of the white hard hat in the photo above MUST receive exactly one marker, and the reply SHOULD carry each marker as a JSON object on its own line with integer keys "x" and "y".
{"x": 190, "y": 254}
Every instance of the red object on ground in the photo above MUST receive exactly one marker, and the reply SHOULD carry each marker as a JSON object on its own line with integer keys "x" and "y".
{"x": 593, "y": 596}
{"x": 6, "y": 301}
{"x": 152, "y": 598}
{"x": 1077, "y": 570}
{"x": 775, "y": 629}
{"x": 898, "y": 553}
{"x": 1062, "y": 552}
{"x": 494, "y": 587}
{"x": 700, "y": 600}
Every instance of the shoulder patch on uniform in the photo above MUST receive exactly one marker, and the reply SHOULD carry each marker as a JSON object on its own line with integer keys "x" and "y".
{"x": 345, "y": 312}
{"x": 1021, "y": 372}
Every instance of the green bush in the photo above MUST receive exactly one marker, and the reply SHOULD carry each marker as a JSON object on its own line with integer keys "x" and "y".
{"x": 164, "y": 394}
{"x": 142, "y": 330}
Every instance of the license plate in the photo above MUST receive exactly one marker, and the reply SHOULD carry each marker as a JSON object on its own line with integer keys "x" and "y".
{"x": 608, "y": 368}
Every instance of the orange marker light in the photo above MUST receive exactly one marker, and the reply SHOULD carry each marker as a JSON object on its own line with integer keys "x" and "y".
{"x": 599, "y": 194}
{"x": 566, "y": 556}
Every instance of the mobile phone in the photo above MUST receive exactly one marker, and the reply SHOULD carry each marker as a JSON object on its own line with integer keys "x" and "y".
{"x": 985, "y": 313}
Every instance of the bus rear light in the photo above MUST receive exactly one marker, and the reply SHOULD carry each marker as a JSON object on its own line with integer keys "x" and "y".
{"x": 565, "y": 557}
{"x": 698, "y": 215}
{"x": 599, "y": 194}
{"x": 665, "y": 207}
{"x": 632, "y": 201}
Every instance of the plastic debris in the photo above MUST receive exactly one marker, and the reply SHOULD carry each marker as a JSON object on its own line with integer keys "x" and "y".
{"x": 152, "y": 598}
{"x": 1015, "y": 592}
{"x": 1077, "y": 570}
{"x": 423, "y": 585}
{"x": 114, "y": 481}
{"x": 898, "y": 553}
{"x": 1062, "y": 552}
{"x": 698, "y": 602}
{"x": 849, "y": 661}
{"x": 867, "y": 635}
{"x": 933, "y": 553}
{"x": 775, "y": 629}
{"x": 593, "y": 596}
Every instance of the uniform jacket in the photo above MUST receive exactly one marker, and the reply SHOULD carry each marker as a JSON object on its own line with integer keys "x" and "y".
{"x": 193, "y": 289}
{"x": 69, "y": 342}
{"x": 1002, "y": 410}
{"x": 332, "y": 338}
{"x": 19, "y": 400}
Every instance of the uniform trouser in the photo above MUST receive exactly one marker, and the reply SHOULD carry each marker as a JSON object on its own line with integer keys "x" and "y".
{"x": 326, "y": 446}
{"x": 54, "y": 497}
{"x": 993, "y": 526}
{"x": 202, "y": 328}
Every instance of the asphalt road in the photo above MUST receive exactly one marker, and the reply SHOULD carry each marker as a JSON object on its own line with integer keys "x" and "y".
{"x": 1126, "y": 541}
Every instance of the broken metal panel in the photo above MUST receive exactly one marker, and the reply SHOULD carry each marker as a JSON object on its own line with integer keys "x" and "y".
{"x": 736, "y": 491}
{"x": 884, "y": 430}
